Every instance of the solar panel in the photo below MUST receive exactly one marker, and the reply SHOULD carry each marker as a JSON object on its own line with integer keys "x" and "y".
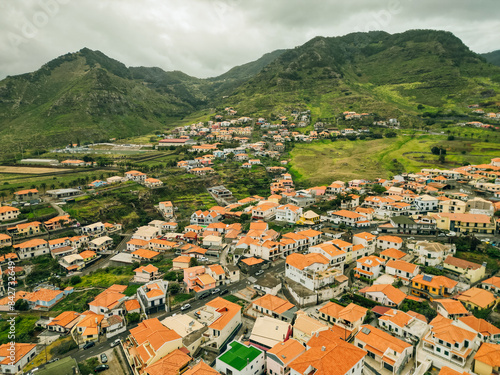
{"x": 427, "y": 278}
{"x": 366, "y": 331}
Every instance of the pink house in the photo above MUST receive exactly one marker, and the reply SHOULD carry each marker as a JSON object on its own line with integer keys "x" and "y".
{"x": 197, "y": 279}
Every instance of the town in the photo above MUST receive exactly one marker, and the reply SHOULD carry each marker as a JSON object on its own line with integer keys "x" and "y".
{"x": 364, "y": 276}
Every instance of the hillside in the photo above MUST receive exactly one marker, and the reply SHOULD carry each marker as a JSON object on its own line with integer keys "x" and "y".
{"x": 492, "y": 57}
{"x": 389, "y": 75}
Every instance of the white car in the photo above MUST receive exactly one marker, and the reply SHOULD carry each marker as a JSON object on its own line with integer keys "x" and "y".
{"x": 115, "y": 343}
{"x": 374, "y": 232}
{"x": 185, "y": 307}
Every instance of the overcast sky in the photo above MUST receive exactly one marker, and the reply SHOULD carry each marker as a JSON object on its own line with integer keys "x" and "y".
{"x": 205, "y": 38}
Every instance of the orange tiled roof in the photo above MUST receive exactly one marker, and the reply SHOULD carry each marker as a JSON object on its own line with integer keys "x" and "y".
{"x": 478, "y": 297}
{"x": 145, "y": 253}
{"x": 287, "y": 351}
{"x": 273, "y": 303}
{"x": 201, "y": 369}
{"x": 489, "y": 354}
{"x": 172, "y": 363}
{"x": 392, "y": 293}
{"x": 301, "y": 261}
{"x": 228, "y": 311}
{"x": 394, "y": 239}
{"x": 480, "y": 325}
{"x": 251, "y": 261}
{"x": 132, "y": 304}
{"x": 393, "y": 253}
{"x": 20, "y": 351}
{"x": 452, "y": 306}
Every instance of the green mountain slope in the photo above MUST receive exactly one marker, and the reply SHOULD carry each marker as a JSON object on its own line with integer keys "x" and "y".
{"x": 389, "y": 75}
{"x": 492, "y": 57}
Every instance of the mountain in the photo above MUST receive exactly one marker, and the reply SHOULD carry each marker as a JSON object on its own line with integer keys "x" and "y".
{"x": 399, "y": 75}
{"x": 492, "y": 57}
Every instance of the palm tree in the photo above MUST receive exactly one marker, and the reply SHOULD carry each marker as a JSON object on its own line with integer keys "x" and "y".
{"x": 3, "y": 194}
{"x": 43, "y": 185}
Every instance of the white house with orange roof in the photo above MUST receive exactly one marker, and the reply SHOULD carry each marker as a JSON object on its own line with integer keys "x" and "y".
{"x": 335, "y": 187}
{"x": 492, "y": 284}
{"x": 63, "y": 322}
{"x": 366, "y": 239}
{"x": 392, "y": 254}
{"x": 149, "y": 342}
{"x": 88, "y": 328}
{"x": 409, "y": 327}
{"x": 151, "y": 182}
{"x": 135, "y": 176}
{"x": 108, "y": 301}
{"x": 152, "y": 296}
{"x": 205, "y": 217}
{"x": 288, "y": 213}
{"x": 402, "y": 270}
{"x": 450, "y": 342}
{"x": 369, "y": 267}
{"x": 14, "y": 357}
{"x": 26, "y": 195}
{"x": 279, "y": 357}
{"x": 222, "y": 318}
{"x": 145, "y": 274}
{"x": 385, "y": 294}
{"x": 275, "y": 307}
{"x": 5, "y": 240}
{"x": 166, "y": 208}
{"x": 336, "y": 255}
{"x": 349, "y": 317}
{"x": 384, "y": 350}
{"x": 450, "y": 308}
{"x": 32, "y": 248}
{"x": 144, "y": 255}
{"x": 486, "y": 331}
{"x": 348, "y": 218}
{"x": 8, "y": 213}
{"x": 389, "y": 242}
{"x": 264, "y": 211}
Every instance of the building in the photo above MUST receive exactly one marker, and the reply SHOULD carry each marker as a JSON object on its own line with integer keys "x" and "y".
{"x": 32, "y": 248}
{"x": 392, "y": 254}
{"x": 275, "y": 307}
{"x": 64, "y": 322}
{"x": 100, "y": 244}
{"x": 492, "y": 284}
{"x": 476, "y": 298}
{"x": 450, "y": 308}
{"x": 385, "y": 294}
{"x": 267, "y": 332}
{"x": 306, "y": 327}
{"x": 279, "y": 357}
{"x": 384, "y": 350}
{"x": 349, "y": 318}
{"x": 486, "y": 331}
{"x": 13, "y": 358}
{"x": 425, "y": 203}
{"x": 472, "y": 272}
{"x": 26, "y": 195}
{"x": 334, "y": 358}
{"x": 5, "y": 240}
{"x": 431, "y": 287}
{"x": 166, "y": 208}
{"x": 135, "y": 176}
{"x": 487, "y": 359}
{"x": 349, "y": 218}
{"x": 26, "y": 229}
{"x": 175, "y": 362}
{"x": 402, "y": 270}
{"x": 409, "y": 327}
{"x": 205, "y": 217}
{"x": 145, "y": 274}
{"x": 433, "y": 253}
{"x": 201, "y": 368}
{"x": 465, "y": 223}
{"x": 108, "y": 300}
{"x": 153, "y": 296}
{"x": 369, "y": 267}
{"x": 288, "y": 213}
{"x": 389, "y": 242}
{"x": 310, "y": 270}
{"x": 240, "y": 359}
{"x": 449, "y": 341}
{"x": 8, "y": 213}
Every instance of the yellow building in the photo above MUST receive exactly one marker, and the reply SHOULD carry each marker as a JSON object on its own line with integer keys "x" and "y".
{"x": 430, "y": 287}
{"x": 26, "y": 229}
{"x": 464, "y": 223}
{"x": 309, "y": 218}
{"x": 476, "y": 298}
{"x": 487, "y": 359}
{"x": 473, "y": 272}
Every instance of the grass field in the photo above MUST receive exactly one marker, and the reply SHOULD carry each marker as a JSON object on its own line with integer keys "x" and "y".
{"x": 30, "y": 170}
{"x": 77, "y": 301}
{"x": 323, "y": 162}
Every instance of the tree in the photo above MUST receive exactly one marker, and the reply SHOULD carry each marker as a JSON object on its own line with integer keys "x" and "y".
{"x": 174, "y": 288}
{"x": 193, "y": 262}
{"x": 21, "y": 305}
{"x": 75, "y": 280}
{"x": 379, "y": 189}
{"x": 390, "y": 134}
{"x": 133, "y": 318}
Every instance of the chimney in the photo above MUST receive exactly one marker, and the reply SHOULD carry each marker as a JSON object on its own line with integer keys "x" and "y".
{"x": 323, "y": 348}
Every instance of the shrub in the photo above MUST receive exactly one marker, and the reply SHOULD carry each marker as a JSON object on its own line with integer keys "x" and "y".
{"x": 75, "y": 280}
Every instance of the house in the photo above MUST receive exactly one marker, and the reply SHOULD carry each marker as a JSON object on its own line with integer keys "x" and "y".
{"x": 100, "y": 244}
{"x": 152, "y": 182}
{"x": 135, "y": 176}
{"x": 486, "y": 331}
{"x": 402, "y": 270}
{"x": 144, "y": 255}
{"x": 26, "y": 229}
{"x": 425, "y": 203}
{"x": 275, "y": 307}
{"x": 15, "y": 356}
{"x": 26, "y": 195}
{"x": 487, "y": 359}
{"x": 264, "y": 211}
{"x": 267, "y": 332}
{"x": 430, "y": 287}
{"x": 108, "y": 300}
{"x": 392, "y": 254}
{"x": 407, "y": 326}
{"x": 64, "y": 322}
{"x": 188, "y": 328}
{"x": 93, "y": 230}
{"x": 452, "y": 206}
{"x": 5, "y": 240}
{"x": 476, "y": 298}
{"x": 450, "y": 308}
{"x": 433, "y": 253}
{"x": 492, "y": 284}
{"x": 410, "y": 225}
{"x": 149, "y": 342}
{"x": 32, "y": 248}
{"x": 384, "y": 350}
{"x": 240, "y": 359}
{"x": 288, "y": 213}
{"x": 196, "y": 278}
{"x": 8, "y": 213}
{"x": 334, "y": 358}
{"x": 44, "y": 299}
{"x": 201, "y": 368}
{"x": 279, "y": 357}
{"x": 306, "y": 327}
{"x": 166, "y": 208}
{"x": 146, "y": 233}
{"x": 349, "y": 318}
{"x": 389, "y": 242}
{"x": 348, "y": 218}
{"x": 181, "y": 262}
{"x": 465, "y": 223}
{"x": 152, "y": 296}
{"x": 336, "y": 255}
{"x": 205, "y": 217}
{"x": 222, "y": 317}
{"x": 145, "y": 274}
{"x": 58, "y": 222}
{"x": 385, "y": 294}
{"x": 366, "y": 239}
{"x": 309, "y": 218}
{"x": 369, "y": 267}
{"x": 473, "y": 272}
{"x": 449, "y": 341}
{"x": 309, "y": 270}
{"x": 173, "y": 363}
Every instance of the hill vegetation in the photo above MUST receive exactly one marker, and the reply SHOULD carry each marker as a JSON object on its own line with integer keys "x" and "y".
{"x": 492, "y": 57}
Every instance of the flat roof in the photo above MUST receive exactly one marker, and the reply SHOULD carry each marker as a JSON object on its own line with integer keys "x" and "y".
{"x": 236, "y": 357}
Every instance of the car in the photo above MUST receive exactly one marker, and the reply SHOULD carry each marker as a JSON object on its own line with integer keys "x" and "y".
{"x": 203, "y": 259}
{"x": 451, "y": 234}
{"x": 258, "y": 273}
{"x": 223, "y": 291}
{"x": 116, "y": 343}
{"x": 33, "y": 371}
{"x": 101, "y": 368}
{"x": 88, "y": 345}
{"x": 53, "y": 360}
{"x": 204, "y": 295}
{"x": 216, "y": 290}
{"x": 441, "y": 235}
{"x": 185, "y": 307}
{"x": 374, "y": 232}
{"x": 104, "y": 358}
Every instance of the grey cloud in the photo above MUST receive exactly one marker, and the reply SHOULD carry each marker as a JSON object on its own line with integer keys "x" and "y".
{"x": 207, "y": 37}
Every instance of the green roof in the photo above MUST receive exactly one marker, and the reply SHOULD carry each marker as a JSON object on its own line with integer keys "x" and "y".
{"x": 236, "y": 357}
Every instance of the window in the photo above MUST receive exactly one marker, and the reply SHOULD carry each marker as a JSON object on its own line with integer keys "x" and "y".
{"x": 446, "y": 353}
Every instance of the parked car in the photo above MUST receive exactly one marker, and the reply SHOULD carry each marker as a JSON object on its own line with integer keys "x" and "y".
{"x": 116, "y": 343}
{"x": 441, "y": 235}
{"x": 203, "y": 259}
{"x": 374, "y": 232}
{"x": 101, "y": 368}
{"x": 33, "y": 371}
{"x": 216, "y": 290}
{"x": 53, "y": 360}
{"x": 259, "y": 272}
{"x": 88, "y": 345}
{"x": 185, "y": 307}
{"x": 223, "y": 291}
{"x": 104, "y": 358}
{"x": 204, "y": 295}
